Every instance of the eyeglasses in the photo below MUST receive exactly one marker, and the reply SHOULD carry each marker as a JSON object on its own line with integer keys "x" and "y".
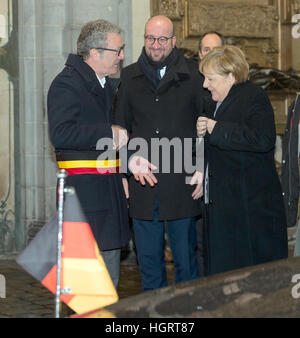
{"x": 162, "y": 40}
{"x": 118, "y": 51}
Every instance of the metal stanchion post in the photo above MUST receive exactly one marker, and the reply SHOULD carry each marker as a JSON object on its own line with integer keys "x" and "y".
{"x": 61, "y": 184}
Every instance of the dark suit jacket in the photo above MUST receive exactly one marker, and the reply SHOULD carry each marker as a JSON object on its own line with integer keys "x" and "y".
{"x": 79, "y": 114}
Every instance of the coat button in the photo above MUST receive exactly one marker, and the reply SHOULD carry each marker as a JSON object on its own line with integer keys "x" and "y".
{"x": 156, "y": 99}
{"x": 156, "y": 131}
{"x": 210, "y": 202}
{"x": 210, "y": 174}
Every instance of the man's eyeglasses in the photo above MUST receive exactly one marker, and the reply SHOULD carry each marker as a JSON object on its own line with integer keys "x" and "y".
{"x": 162, "y": 40}
{"x": 118, "y": 51}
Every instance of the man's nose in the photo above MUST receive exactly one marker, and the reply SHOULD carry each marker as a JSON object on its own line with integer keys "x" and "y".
{"x": 156, "y": 44}
{"x": 122, "y": 55}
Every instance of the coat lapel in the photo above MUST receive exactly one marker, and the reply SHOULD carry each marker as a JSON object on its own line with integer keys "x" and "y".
{"x": 102, "y": 96}
{"x": 99, "y": 95}
{"x": 176, "y": 73}
{"x": 105, "y": 96}
{"x": 228, "y": 100}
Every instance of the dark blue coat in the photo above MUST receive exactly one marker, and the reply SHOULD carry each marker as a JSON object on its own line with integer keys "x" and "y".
{"x": 247, "y": 223}
{"x": 79, "y": 114}
{"x": 168, "y": 112}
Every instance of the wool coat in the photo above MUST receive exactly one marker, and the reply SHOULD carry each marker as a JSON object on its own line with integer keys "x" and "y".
{"x": 79, "y": 115}
{"x": 290, "y": 164}
{"x": 246, "y": 217}
{"x": 168, "y": 113}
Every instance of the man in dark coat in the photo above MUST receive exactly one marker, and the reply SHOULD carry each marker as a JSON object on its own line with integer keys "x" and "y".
{"x": 159, "y": 100}
{"x": 79, "y": 113}
{"x": 208, "y": 41}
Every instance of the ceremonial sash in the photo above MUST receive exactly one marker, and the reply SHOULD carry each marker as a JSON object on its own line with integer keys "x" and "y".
{"x": 85, "y": 165}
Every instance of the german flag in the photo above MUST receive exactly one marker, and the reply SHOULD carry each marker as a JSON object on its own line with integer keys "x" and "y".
{"x": 83, "y": 271}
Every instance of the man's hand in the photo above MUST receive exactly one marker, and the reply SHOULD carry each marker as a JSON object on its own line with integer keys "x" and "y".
{"x": 125, "y": 187}
{"x": 197, "y": 179}
{"x": 142, "y": 170}
{"x": 120, "y": 137}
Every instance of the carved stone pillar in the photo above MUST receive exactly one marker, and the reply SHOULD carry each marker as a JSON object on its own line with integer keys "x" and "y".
{"x": 261, "y": 28}
{"x": 9, "y": 231}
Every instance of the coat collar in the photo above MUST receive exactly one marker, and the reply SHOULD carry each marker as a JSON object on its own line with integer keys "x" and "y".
{"x": 179, "y": 71}
{"x": 233, "y": 92}
{"x": 88, "y": 74}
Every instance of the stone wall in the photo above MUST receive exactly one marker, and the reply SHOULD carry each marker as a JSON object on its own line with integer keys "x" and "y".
{"x": 48, "y": 31}
{"x": 41, "y": 33}
{"x": 8, "y": 73}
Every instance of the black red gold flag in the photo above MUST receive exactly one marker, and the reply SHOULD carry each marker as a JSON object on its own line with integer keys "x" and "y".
{"x": 83, "y": 271}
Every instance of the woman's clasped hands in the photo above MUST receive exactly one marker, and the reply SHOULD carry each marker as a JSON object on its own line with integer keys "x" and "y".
{"x": 204, "y": 124}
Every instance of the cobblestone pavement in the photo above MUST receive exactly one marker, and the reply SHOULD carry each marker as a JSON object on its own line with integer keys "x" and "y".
{"x": 25, "y": 297}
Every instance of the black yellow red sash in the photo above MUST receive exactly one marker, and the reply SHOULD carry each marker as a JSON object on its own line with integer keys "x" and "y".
{"x": 86, "y": 165}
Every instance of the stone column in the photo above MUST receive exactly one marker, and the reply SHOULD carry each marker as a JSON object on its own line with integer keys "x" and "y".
{"x": 140, "y": 15}
{"x": 31, "y": 127}
{"x": 8, "y": 90}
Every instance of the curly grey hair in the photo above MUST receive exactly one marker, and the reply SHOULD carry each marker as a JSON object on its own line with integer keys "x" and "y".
{"x": 94, "y": 34}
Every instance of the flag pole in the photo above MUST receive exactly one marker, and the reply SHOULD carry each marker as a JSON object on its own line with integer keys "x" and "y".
{"x": 61, "y": 184}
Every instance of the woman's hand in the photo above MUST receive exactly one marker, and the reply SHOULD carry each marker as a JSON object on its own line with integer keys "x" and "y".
{"x": 201, "y": 126}
{"x": 210, "y": 125}
{"x": 204, "y": 125}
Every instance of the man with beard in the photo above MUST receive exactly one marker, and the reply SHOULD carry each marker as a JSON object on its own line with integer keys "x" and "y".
{"x": 79, "y": 113}
{"x": 160, "y": 98}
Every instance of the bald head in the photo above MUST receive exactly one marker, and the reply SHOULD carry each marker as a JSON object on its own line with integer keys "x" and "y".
{"x": 159, "y": 22}
{"x": 159, "y": 39}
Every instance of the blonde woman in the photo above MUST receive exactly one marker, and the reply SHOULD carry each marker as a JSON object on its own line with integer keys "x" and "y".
{"x": 244, "y": 207}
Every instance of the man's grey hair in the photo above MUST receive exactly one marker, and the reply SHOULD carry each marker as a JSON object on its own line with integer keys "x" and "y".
{"x": 94, "y": 34}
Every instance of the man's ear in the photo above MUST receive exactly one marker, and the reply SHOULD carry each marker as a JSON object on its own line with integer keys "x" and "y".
{"x": 174, "y": 41}
{"x": 93, "y": 53}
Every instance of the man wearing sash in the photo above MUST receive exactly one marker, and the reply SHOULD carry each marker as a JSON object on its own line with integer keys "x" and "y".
{"x": 79, "y": 112}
